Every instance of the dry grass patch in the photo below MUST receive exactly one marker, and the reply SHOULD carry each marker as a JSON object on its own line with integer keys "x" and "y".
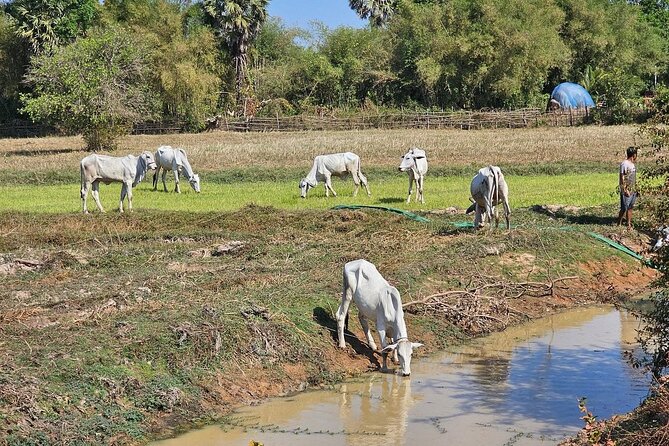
{"x": 217, "y": 151}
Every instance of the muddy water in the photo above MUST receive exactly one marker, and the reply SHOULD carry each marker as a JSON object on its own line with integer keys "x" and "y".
{"x": 520, "y": 387}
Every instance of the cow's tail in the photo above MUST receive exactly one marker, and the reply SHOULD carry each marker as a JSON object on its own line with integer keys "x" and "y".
{"x": 345, "y": 286}
{"x": 361, "y": 176}
{"x": 490, "y": 192}
{"x": 83, "y": 179}
{"x": 495, "y": 184}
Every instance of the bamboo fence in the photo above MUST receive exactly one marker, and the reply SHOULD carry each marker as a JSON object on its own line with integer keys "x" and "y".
{"x": 466, "y": 120}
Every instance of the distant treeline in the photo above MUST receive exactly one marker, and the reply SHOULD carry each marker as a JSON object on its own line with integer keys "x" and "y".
{"x": 100, "y": 68}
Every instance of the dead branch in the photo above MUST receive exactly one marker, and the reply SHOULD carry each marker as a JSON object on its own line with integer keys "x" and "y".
{"x": 477, "y": 309}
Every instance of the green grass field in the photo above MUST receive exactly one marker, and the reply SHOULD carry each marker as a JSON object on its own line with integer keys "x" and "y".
{"x": 440, "y": 192}
{"x": 119, "y": 329}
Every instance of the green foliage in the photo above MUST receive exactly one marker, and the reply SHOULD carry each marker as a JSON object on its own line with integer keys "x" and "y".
{"x": 13, "y": 60}
{"x": 184, "y": 58}
{"x": 654, "y": 331}
{"x": 114, "y": 94}
{"x": 45, "y": 24}
{"x": 654, "y": 334}
{"x": 620, "y": 92}
{"x": 427, "y": 54}
{"x": 656, "y": 12}
{"x": 485, "y": 53}
{"x": 362, "y": 60}
{"x": 661, "y": 101}
{"x": 613, "y": 48}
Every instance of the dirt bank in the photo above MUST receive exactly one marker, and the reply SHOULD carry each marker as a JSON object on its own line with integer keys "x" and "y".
{"x": 121, "y": 329}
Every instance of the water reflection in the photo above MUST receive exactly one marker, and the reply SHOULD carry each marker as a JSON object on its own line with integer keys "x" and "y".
{"x": 518, "y": 387}
{"x": 363, "y": 408}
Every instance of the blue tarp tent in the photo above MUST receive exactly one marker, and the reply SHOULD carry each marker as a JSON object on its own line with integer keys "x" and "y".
{"x": 570, "y": 95}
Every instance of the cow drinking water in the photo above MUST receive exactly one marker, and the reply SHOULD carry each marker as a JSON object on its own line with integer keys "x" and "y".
{"x": 337, "y": 164}
{"x": 376, "y": 299}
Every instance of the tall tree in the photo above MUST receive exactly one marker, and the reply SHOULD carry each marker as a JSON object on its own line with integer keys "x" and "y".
{"x": 379, "y": 12}
{"x": 14, "y": 56}
{"x": 184, "y": 55}
{"x": 237, "y": 24}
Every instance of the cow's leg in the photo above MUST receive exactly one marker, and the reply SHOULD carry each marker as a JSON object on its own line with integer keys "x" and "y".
{"x": 363, "y": 181}
{"x": 410, "y": 186}
{"x": 124, "y": 193}
{"x": 96, "y": 195}
{"x": 328, "y": 185}
{"x": 155, "y": 177}
{"x": 129, "y": 192}
{"x": 420, "y": 188}
{"x": 488, "y": 211}
{"x": 176, "y": 181}
{"x": 342, "y": 311}
{"x": 478, "y": 216}
{"x": 165, "y": 180}
{"x": 356, "y": 182}
{"x": 84, "y": 195}
{"x": 380, "y": 327}
{"x": 368, "y": 333}
{"x": 507, "y": 213}
{"x": 391, "y": 336}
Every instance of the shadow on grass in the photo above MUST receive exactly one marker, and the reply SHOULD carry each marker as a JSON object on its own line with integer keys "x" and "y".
{"x": 324, "y": 319}
{"x": 38, "y": 152}
{"x": 456, "y": 229}
{"x": 577, "y": 219}
{"x": 387, "y": 200}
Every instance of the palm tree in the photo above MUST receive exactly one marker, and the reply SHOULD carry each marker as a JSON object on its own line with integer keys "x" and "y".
{"x": 237, "y": 23}
{"x": 378, "y": 12}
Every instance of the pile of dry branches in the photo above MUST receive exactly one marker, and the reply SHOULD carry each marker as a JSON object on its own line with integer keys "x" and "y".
{"x": 486, "y": 305}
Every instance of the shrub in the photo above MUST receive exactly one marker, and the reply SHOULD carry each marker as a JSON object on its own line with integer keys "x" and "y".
{"x": 96, "y": 86}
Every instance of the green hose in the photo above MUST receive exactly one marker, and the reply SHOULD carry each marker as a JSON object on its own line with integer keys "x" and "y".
{"x": 622, "y": 248}
{"x": 626, "y": 250}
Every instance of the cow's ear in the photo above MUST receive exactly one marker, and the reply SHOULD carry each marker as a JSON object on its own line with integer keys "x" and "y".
{"x": 416, "y": 344}
{"x": 419, "y": 157}
{"x": 389, "y": 348}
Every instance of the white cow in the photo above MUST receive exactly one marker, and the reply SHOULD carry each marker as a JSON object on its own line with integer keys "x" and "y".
{"x": 376, "y": 299}
{"x": 488, "y": 189}
{"x": 337, "y": 164}
{"x": 168, "y": 158}
{"x": 128, "y": 170}
{"x": 415, "y": 163}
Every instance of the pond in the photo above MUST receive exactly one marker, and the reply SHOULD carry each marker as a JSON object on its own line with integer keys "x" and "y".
{"x": 519, "y": 387}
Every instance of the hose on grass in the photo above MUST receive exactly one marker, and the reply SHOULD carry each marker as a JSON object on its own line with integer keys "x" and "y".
{"x": 465, "y": 224}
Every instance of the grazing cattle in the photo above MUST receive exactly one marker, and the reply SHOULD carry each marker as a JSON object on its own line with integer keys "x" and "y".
{"x": 128, "y": 170}
{"x": 415, "y": 163}
{"x": 376, "y": 299}
{"x": 337, "y": 164}
{"x": 168, "y": 158}
{"x": 488, "y": 189}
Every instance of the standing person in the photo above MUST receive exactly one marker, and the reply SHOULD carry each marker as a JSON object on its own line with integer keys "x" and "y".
{"x": 627, "y": 185}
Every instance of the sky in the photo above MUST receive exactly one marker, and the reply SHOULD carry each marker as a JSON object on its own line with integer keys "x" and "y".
{"x": 332, "y": 13}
